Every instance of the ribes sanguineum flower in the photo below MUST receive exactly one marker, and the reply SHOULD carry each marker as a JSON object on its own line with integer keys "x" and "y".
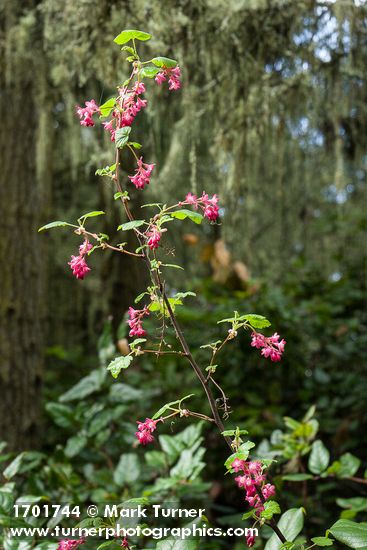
{"x": 86, "y": 113}
{"x": 209, "y": 205}
{"x": 142, "y": 176}
{"x": 154, "y": 235}
{"x": 173, "y": 75}
{"x": 135, "y": 321}
{"x": 250, "y": 540}
{"x": 270, "y": 346}
{"x": 252, "y": 479}
{"x": 78, "y": 263}
{"x": 145, "y": 431}
{"x": 69, "y": 544}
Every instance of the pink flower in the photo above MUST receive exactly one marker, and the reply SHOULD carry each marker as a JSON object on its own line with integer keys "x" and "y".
{"x": 250, "y": 540}
{"x": 208, "y": 205}
{"x": 109, "y": 127}
{"x": 160, "y": 78}
{"x": 270, "y": 347}
{"x": 78, "y": 264}
{"x": 130, "y": 104}
{"x": 252, "y": 481}
{"x": 144, "y": 437}
{"x": 142, "y": 176}
{"x": 139, "y": 88}
{"x": 69, "y": 544}
{"x": 135, "y": 321}
{"x": 154, "y": 237}
{"x": 173, "y": 75}
{"x": 86, "y": 113}
{"x": 238, "y": 465}
{"x": 191, "y": 199}
{"x": 145, "y": 430}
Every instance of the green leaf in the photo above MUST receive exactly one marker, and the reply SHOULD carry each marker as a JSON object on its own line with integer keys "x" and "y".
{"x": 349, "y": 465}
{"x": 290, "y": 524}
{"x": 270, "y": 508}
{"x": 107, "y": 107}
{"x": 130, "y": 225}
{"x": 164, "y": 62}
{"x": 241, "y": 454}
{"x": 155, "y": 459}
{"x": 118, "y": 364}
{"x": 131, "y": 34}
{"x": 183, "y": 214}
{"x": 135, "y": 144}
{"x": 322, "y": 541}
{"x": 350, "y": 533}
{"x": 54, "y": 224}
{"x": 319, "y": 457}
{"x": 75, "y": 444}
{"x": 127, "y": 470}
{"x": 148, "y": 72}
{"x": 357, "y": 504}
{"x": 62, "y": 415}
{"x": 167, "y": 406}
{"x": 177, "y": 544}
{"x": 24, "y": 462}
{"x": 92, "y": 214}
{"x": 86, "y": 386}
{"x": 122, "y": 136}
{"x": 297, "y": 477}
{"x": 256, "y": 321}
{"x": 106, "y": 171}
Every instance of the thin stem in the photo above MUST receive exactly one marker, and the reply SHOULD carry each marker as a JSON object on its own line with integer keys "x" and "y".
{"x": 180, "y": 336}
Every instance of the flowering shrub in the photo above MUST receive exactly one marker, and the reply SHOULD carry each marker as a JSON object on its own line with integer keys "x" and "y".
{"x": 118, "y": 115}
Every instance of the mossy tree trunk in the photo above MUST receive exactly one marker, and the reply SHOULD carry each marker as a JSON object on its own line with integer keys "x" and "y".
{"x": 22, "y": 202}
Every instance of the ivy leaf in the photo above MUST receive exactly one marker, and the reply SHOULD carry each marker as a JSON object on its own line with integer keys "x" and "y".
{"x": 130, "y": 225}
{"x": 107, "y": 107}
{"x": 319, "y": 457}
{"x": 164, "y": 62}
{"x": 54, "y": 224}
{"x": 183, "y": 214}
{"x": 350, "y": 533}
{"x": 148, "y": 72}
{"x": 131, "y": 34}
{"x": 118, "y": 364}
{"x": 122, "y": 137}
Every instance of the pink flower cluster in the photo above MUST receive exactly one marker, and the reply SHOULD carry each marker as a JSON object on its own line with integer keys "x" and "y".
{"x": 173, "y": 76}
{"x": 86, "y": 113}
{"x": 208, "y": 205}
{"x": 270, "y": 347}
{"x": 78, "y": 263}
{"x": 145, "y": 430}
{"x": 142, "y": 176}
{"x": 154, "y": 237}
{"x": 252, "y": 480}
{"x": 130, "y": 104}
{"x": 135, "y": 321}
{"x": 69, "y": 544}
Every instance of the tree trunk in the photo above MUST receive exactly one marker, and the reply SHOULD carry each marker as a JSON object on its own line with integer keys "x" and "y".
{"x": 22, "y": 201}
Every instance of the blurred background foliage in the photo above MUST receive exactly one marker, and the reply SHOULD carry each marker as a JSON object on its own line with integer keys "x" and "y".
{"x": 272, "y": 117}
